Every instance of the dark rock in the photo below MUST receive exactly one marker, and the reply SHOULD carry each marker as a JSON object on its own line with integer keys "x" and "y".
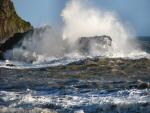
{"x": 10, "y": 22}
{"x": 9, "y": 64}
{"x": 143, "y": 85}
{"x": 12, "y": 41}
{"x": 17, "y": 38}
{"x": 85, "y": 43}
{"x": 145, "y": 104}
{"x": 51, "y": 106}
{"x": 17, "y": 41}
{"x": 1, "y": 55}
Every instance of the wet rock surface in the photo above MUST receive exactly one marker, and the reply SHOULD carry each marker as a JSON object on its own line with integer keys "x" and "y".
{"x": 102, "y": 42}
{"x": 13, "y": 41}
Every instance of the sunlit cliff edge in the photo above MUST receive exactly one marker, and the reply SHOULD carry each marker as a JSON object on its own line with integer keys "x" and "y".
{"x": 10, "y": 22}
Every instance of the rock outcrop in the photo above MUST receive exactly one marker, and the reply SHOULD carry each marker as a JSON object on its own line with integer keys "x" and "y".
{"x": 10, "y": 22}
{"x": 13, "y": 41}
{"x": 102, "y": 42}
{"x": 18, "y": 38}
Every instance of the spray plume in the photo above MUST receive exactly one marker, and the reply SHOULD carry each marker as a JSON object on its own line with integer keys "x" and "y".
{"x": 80, "y": 20}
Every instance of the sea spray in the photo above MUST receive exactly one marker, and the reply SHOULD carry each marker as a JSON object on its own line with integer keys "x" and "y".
{"x": 81, "y": 19}
{"x": 44, "y": 42}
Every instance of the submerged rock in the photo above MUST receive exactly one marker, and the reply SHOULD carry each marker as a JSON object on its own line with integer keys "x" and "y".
{"x": 143, "y": 85}
{"x": 1, "y": 55}
{"x": 8, "y": 63}
{"x": 10, "y": 22}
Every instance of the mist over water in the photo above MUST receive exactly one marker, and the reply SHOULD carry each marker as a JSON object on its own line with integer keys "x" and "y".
{"x": 44, "y": 42}
{"x": 80, "y": 20}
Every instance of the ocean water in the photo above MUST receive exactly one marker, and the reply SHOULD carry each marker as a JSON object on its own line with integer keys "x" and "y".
{"x": 77, "y": 84}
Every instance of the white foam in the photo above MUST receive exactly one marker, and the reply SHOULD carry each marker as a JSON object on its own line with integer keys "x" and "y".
{"x": 126, "y": 97}
{"x": 43, "y": 61}
{"x": 79, "y": 111}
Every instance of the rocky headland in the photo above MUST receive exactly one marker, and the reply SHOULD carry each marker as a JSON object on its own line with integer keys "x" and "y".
{"x": 10, "y": 22}
{"x": 12, "y": 27}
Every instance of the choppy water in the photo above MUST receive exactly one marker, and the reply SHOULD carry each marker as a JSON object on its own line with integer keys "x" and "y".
{"x": 69, "y": 95}
{"x": 123, "y": 101}
{"x": 84, "y": 86}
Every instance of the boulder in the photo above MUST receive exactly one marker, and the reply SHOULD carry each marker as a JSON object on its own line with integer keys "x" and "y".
{"x": 102, "y": 42}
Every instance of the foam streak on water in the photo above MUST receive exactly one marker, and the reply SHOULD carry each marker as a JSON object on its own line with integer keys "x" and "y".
{"x": 68, "y": 58}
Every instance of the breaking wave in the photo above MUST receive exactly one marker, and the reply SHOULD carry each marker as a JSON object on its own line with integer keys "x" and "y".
{"x": 47, "y": 47}
{"x": 124, "y": 101}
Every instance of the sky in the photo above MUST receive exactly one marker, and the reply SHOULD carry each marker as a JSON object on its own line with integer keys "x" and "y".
{"x": 135, "y": 13}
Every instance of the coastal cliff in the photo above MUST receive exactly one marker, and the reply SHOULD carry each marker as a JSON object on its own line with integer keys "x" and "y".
{"x": 10, "y": 22}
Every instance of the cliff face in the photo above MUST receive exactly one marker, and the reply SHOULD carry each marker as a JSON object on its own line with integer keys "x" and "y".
{"x": 10, "y": 22}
